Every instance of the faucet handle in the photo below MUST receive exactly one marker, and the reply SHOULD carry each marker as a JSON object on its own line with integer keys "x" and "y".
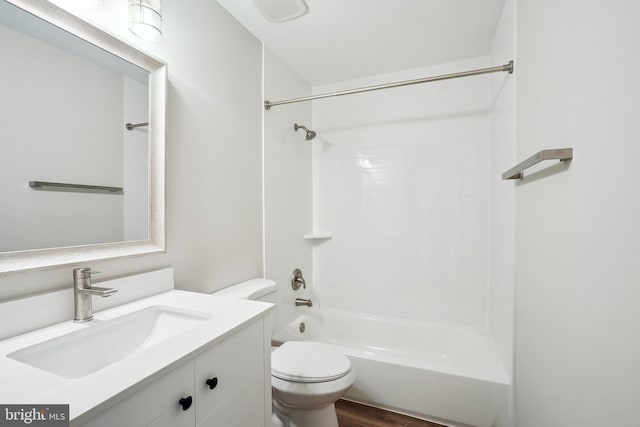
{"x": 83, "y": 272}
{"x": 297, "y": 280}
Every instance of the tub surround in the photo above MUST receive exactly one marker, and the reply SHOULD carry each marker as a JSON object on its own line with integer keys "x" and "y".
{"x": 400, "y": 181}
{"x": 91, "y": 394}
{"x": 284, "y": 245}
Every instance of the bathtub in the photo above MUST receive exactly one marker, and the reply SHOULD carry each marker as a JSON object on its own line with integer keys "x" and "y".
{"x": 442, "y": 373}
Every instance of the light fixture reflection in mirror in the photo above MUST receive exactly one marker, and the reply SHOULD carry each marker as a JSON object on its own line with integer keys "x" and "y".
{"x": 145, "y": 19}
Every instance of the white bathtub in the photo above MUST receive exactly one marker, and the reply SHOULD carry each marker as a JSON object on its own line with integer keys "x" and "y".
{"x": 438, "y": 372}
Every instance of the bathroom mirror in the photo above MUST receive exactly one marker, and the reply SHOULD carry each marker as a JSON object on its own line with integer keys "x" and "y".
{"x": 76, "y": 184}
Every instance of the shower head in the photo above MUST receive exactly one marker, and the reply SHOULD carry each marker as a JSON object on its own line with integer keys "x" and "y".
{"x": 310, "y": 134}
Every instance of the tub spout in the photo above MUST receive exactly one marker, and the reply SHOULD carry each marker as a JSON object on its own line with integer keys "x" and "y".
{"x": 302, "y": 301}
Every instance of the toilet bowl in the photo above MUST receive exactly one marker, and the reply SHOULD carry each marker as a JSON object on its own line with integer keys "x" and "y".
{"x": 307, "y": 378}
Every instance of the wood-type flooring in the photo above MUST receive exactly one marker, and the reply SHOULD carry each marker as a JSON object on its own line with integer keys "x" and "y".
{"x": 351, "y": 414}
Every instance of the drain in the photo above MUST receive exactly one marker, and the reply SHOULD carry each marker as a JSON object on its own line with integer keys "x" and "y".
{"x": 302, "y": 327}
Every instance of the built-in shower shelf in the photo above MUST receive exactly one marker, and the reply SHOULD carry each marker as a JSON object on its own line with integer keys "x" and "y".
{"x": 317, "y": 236}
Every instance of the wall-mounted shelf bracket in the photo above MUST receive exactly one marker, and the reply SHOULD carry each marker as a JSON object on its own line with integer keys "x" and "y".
{"x": 561, "y": 154}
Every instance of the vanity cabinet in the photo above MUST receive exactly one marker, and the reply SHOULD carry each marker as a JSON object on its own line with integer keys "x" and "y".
{"x": 156, "y": 404}
{"x": 229, "y": 378}
{"x": 223, "y": 386}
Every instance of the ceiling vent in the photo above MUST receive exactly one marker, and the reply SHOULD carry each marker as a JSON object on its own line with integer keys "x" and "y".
{"x": 280, "y": 10}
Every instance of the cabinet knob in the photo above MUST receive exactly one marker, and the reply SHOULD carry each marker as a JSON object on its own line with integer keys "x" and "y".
{"x": 186, "y": 402}
{"x": 212, "y": 382}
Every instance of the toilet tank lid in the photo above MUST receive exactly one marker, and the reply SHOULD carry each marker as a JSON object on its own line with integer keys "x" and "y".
{"x": 249, "y": 289}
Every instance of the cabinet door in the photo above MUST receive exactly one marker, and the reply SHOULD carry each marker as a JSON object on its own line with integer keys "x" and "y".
{"x": 157, "y": 401}
{"x": 253, "y": 417}
{"x": 235, "y": 371}
{"x": 176, "y": 417}
{"x": 237, "y": 411}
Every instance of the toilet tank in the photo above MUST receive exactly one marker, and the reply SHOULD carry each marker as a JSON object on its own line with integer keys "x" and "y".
{"x": 254, "y": 289}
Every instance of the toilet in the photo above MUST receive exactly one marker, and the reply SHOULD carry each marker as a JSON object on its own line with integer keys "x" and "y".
{"x": 307, "y": 378}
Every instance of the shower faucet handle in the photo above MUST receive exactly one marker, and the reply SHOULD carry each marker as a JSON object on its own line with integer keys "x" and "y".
{"x": 297, "y": 280}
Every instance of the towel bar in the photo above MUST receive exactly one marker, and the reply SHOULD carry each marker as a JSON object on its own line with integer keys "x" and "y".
{"x": 561, "y": 154}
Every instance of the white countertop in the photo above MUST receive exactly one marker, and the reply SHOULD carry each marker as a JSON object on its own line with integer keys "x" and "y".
{"x": 88, "y": 395}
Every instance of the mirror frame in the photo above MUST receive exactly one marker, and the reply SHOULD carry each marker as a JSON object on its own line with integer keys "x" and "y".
{"x": 62, "y": 256}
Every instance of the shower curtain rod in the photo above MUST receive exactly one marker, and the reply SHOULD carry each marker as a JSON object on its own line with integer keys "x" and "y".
{"x": 507, "y": 67}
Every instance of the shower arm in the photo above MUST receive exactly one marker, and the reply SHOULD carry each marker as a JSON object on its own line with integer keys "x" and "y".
{"x": 310, "y": 134}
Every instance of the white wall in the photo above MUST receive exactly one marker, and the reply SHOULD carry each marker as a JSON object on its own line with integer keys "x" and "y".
{"x": 401, "y": 183}
{"x": 136, "y": 161}
{"x": 502, "y": 145}
{"x": 287, "y": 186}
{"x": 42, "y": 139}
{"x": 577, "y": 239}
{"x": 213, "y": 156}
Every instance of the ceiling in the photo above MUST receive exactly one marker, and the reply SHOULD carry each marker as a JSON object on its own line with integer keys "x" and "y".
{"x": 345, "y": 39}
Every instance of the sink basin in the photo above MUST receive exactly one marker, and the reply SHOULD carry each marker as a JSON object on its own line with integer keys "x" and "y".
{"x": 102, "y": 343}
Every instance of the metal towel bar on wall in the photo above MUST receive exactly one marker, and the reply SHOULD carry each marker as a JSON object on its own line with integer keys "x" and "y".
{"x": 132, "y": 126}
{"x": 561, "y": 154}
{"x": 61, "y": 186}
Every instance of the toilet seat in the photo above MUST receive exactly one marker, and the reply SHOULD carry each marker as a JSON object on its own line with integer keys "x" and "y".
{"x": 308, "y": 362}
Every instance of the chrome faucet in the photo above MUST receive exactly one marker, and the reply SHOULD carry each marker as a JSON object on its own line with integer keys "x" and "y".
{"x": 297, "y": 280}
{"x": 302, "y": 301}
{"x": 82, "y": 292}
